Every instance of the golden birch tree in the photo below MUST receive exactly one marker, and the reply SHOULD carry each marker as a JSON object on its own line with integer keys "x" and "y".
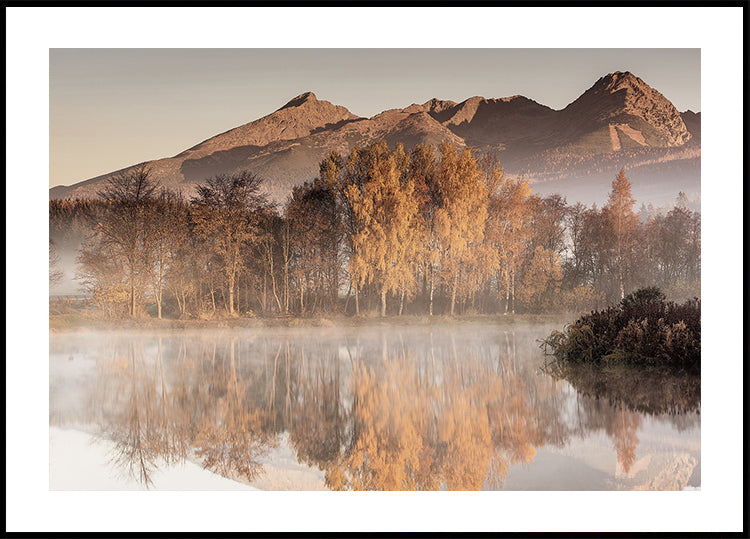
{"x": 386, "y": 210}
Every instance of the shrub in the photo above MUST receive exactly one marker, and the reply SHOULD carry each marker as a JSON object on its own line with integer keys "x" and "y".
{"x": 643, "y": 330}
{"x": 643, "y": 296}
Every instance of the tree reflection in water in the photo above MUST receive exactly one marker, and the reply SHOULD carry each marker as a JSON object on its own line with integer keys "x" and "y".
{"x": 615, "y": 399}
{"x": 138, "y": 415}
{"x": 414, "y": 410}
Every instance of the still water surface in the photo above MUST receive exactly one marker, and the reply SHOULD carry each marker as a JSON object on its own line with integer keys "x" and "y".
{"x": 437, "y": 407}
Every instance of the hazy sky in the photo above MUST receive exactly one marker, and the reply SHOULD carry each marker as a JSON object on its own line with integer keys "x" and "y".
{"x": 110, "y": 108}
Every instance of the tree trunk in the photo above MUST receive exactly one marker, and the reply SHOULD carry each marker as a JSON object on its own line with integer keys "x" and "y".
{"x": 265, "y": 292}
{"x": 382, "y": 302}
{"x": 356, "y": 299}
{"x": 507, "y": 291}
{"x": 286, "y": 267}
{"x": 132, "y": 298}
{"x": 231, "y": 294}
{"x": 453, "y": 292}
{"x": 432, "y": 286}
{"x": 273, "y": 288}
{"x": 348, "y": 295}
{"x": 286, "y": 286}
{"x": 401, "y": 306}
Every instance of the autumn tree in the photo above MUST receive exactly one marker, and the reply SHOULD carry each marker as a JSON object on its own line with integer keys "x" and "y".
{"x": 573, "y": 266}
{"x": 508, "y": 230}
{"x": 183, "y": 274}
{"x": 122, "y": 231}
{"x": 548, "y": 215}
{"x": 594, "y": 251}
{"x": 385, "y": 210}
{"x": 313, "y": 216}
{"x": 166, "y": 217}
{"x": 223, "y": 215}
{"x": 269, "y": 243}
{"x": 460, "y": 220}
{"x": 343, "y": 177}
{"x": 622, "y": 228}
{"x": 422, "y": 173}
{"x": 672, "y": 241}
{"x": 101, "y": 273}
{"x": 541, "y": 281}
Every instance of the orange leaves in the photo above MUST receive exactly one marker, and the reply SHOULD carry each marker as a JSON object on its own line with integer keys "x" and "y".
{"x": 385, "y": 212}
{"x": 541, "y": 283}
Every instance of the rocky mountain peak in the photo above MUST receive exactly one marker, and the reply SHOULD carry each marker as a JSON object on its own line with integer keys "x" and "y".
{"x": 621, "y": 94}
{"x": 307, "y": 97}
{"x": 298, "y": 118}
{"x": 438, "y": 105}
{"x": 620, "y": 79}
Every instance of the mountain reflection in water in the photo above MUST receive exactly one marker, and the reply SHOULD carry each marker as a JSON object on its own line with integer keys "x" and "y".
{"x": 386, "y": 409}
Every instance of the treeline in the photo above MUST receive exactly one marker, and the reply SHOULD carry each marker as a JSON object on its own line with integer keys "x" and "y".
{"x": 423, "y": 232}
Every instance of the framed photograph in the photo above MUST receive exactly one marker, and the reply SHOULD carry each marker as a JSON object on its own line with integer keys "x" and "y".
{"x": 452, "y": 270}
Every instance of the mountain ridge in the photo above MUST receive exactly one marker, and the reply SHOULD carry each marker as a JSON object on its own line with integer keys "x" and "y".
{"x": 619, "y": 115}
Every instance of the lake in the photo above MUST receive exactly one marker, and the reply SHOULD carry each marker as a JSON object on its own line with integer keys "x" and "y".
{"x": 457, "y": 407}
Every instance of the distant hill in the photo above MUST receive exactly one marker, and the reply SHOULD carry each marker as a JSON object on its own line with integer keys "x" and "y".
{"x": 620, "y": 122}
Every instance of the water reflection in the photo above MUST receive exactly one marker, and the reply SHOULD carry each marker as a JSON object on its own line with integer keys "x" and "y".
{"x": 616, "y": 399}
{"x": 652, "y": 392}
{"x": 417, "y": 409}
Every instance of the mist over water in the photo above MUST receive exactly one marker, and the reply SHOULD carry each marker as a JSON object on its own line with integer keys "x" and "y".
{"x": 466, "y": 406}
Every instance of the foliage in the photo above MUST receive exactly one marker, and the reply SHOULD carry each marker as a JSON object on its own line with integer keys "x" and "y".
{"x": 383, "y": 230}
{"x": 643, "y": 297}
{"x": 541, "y": 284}
{"x": 122, "y": 235}
{"x": 643, "y": 330}
{"x": 223, "y": 214}
{"x": 580, "y": 299}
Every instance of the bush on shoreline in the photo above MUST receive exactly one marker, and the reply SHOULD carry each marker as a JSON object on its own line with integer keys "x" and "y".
{"x": 643, "y": 329}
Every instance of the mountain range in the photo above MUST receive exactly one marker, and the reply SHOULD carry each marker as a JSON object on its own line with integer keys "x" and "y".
{"x": 619, "y": 122}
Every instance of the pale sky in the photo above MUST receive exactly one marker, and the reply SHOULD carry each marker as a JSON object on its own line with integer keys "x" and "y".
{"x": 111, "y": 108}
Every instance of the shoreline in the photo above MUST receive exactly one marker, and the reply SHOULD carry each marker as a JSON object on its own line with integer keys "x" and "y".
{"x": 67, "y": 323}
